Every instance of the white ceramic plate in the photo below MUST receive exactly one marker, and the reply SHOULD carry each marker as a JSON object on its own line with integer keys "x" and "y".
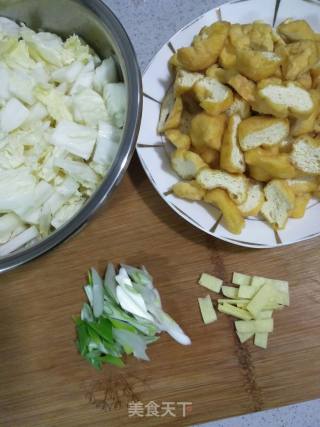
{"x": 154, "y": 151}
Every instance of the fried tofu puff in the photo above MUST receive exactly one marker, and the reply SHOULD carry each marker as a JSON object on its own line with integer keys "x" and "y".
{"x": 235, "y": 185}
{"x": 257, "y": 65}
{"x": 184, "y": 81}
{"x": 255, "y": 172}
{"x": 300, "y": 205}
{"x": 208, "y": 155}
{"x": 306, "y": 125}
{"x": 240, "y": 107}
{"x": 231, "y": 214}
{"x": 228, "y": 56}
{"x": 206, "y": 47}
{"x": 261, "y": 36}
{"x": 296, "y": 30}
{"x": 279, "y": 203}
{"x": 231, "y": 157}
{"x": 178, "y": 139}
{"x": 254, "y": 202}
{"x": 304, "y": 184}
{"x": 186, "y": 163}
{"x": 283, "y": 100}
{"x": 278, "y": 166}
{"x": 305, "y": 80}
{"x": 244, "y": 87}
{"x": 207, "y": 131}
{"x": 298, "y": 58}
{"x": 170, "y": 113}
{"x": 264, "y": 131}
{"x": 306, "y": 155}
{"x": 190, "y": 190}
{"x": 214, "y": 97}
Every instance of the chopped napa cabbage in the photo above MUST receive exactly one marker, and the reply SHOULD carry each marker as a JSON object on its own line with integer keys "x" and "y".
{"x": 55, "y": 101}
{"x": 79, "y": 171}
{"x": 22, "y": 85}
{"x": 13, "y": 115}
{"x": 42, "y": 46}
{"x": 76, "y": 50}
{"x": 107, "y": 144}
{"x": 58, "y": 135}
{"x": 19, "y": 241}
{"x": 4, "y": 79}
{"x": 89, "y": 107}
{"x": 105, "y": 73}
{"x": 115, "y": 95}
{"x": 8, "y": 28}
{"x": 62, "y": 194}
{"x": 41, "y": 194}
{"x": 19, "y": 57}
{"x": 10, "y": 226}
{"x": 37, "y": 113}
{"x": 76, "y": 139}
{"x": 66, "y": 212}
{"x": 67, "y": 74}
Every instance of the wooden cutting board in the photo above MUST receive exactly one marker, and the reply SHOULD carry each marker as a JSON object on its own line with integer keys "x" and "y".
{"x": 44, "y": 382}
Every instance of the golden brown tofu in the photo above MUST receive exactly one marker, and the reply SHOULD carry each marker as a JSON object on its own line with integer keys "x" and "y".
{"x": 232, "y": 216}
{"x": 305, "y": 80}
{"x": 189, "y": 190}
{"x": 208, "y": 155}
{"x": 257, "y": 65}
{"x": 295, "y": 30}
{"x": 170, "y": 113}
{"x": 261, "y": 37}
{"x": 228, "y": 57}
{"x": 259, "y": 174}
{"x": 298, "y": 58}
{"x": 300, "y": 205}
{"x": 263, "y": 131}
{"x": 231, "y": 157}
{"x": 214, "y": 97}
{"x": 205, "y": 49}
{"x": 178, "y": 139}
{"x": 276, "y": 166}
{"x": 283, "y": 100}
{"x": 207, "y": 130}
{"x": 306, "y": 125}
{"x": 243, "y": 86}
{"x": 186, "y": 163}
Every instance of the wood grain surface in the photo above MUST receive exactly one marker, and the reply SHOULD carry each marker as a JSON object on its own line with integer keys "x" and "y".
{"x": 44, "y": 382}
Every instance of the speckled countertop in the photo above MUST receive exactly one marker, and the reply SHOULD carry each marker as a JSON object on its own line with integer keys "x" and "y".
{"x": 150, "y": 23}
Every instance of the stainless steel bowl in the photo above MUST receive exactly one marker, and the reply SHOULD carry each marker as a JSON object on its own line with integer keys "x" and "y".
{"x": 97, "y": 25}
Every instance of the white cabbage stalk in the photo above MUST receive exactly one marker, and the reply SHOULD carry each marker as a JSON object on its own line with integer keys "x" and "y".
{"x": 10, "y": 225}
{"x": 105, "y": 73}
{"x": 77, "y": 139}
{"x": 21, "y": 86}
{"x": 115, "y": 95}
{"x": 19, "y": 241}
{"x": 58, "y": 134}
{"x": 79, "y": 171}
{"x": 9, "y": 28}
{"x": 4, "y": 79}
{"x": 107, "y": 143}
{"x": 89, "y": 107}
{"x": 13, "y": 115}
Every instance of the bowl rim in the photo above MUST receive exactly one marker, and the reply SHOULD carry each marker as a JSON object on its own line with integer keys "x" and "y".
{"x": 133, "y": 79}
